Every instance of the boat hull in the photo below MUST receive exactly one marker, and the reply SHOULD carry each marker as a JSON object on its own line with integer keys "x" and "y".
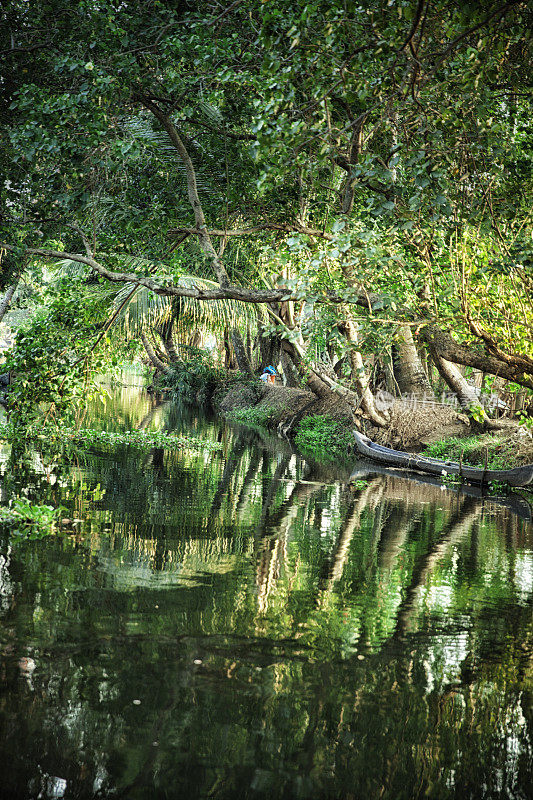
{"x": 520, "y": 476}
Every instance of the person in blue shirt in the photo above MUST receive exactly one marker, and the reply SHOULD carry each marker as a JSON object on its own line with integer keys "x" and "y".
{"x": 269, "y": 374}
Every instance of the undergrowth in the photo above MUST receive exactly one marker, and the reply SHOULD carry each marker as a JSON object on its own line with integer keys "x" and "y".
{"x": 324, "y": 436}
{"x": 263, "y": 416}
{"x": 196, "y": 379}
{"x": 473, "y": 450}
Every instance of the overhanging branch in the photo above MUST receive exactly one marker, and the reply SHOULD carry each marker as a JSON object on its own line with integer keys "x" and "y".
{"x": 507, "y": 366}
{"x": 267, "y": 226}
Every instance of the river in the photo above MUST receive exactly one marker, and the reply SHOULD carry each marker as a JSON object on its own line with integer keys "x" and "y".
{"x": 246, "y": 624}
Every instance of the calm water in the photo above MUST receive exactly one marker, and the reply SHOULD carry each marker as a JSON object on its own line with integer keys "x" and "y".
{"x": 246, "y": 625}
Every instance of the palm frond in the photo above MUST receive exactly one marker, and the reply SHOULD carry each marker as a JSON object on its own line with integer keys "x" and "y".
{"x": 215, "y": 314}
{"x": 140, "y": 308}
{"x": 73, "y": 269}
{"x": 211, "y": 112}
{"x": 210, "y": 175}
{"x": 69, "y": 269}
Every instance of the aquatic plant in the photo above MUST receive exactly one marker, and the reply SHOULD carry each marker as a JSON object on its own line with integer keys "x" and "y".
{"x": 138, "y": 439}
{"x": 29, "y": 520}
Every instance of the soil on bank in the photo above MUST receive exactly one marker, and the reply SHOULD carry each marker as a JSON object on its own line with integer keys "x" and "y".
{"x": 281, "y": 408}
{"x": 424, "y": 426}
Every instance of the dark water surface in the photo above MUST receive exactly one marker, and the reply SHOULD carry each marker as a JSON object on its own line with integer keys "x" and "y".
{"x": 243, "y": 624}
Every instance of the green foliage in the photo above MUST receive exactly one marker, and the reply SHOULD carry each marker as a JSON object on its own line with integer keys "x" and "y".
{"x": 525, "y": 420}
{"x": 358, "y": 484}
{"x": 323, "y": 435}
{"x": 472, "y": 449}
{"x": 262, "y": 416}
{"x": 197, "y": 380}
{"x": 88, "y": 437}
{"x": 141, "y": 440}
{"x": 30, "y": 521}
{"x": 194, "y": 379}
{"x": 53, "y": 361}
{"x": 272, "y": 110}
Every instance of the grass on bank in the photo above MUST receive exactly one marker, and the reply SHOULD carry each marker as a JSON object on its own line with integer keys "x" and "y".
{"x": 499, "y": 453}
{"x": 262, "y": 416}
{"x": 323, "y": 437}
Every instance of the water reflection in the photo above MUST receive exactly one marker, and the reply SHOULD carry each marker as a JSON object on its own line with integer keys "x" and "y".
{"x": 246, "y": 624}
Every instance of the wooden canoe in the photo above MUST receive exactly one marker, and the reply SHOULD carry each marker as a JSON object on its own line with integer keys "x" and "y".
{"x": 520, "y": 476}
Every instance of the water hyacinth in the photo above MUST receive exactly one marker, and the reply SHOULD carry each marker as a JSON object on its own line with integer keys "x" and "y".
{"x": 29, "y": 520}
{"x": 137, "y": 439}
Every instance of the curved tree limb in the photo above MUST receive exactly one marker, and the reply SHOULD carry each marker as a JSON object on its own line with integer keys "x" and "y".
{"x": 192, "y": 190}
{"x": 508, "y": 366}
{"x": 442, "y": 343}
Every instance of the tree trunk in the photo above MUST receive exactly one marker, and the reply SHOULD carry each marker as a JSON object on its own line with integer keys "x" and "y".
{"x": 269, "y": 349}
{"x": 338, "y": 368}
{"x": 150, "y": 352}
{"x": 360, "y": 377}
{"x": 196, "y": 338}
{"x": 168, "y": 342}
{"x": 325, "y": 386}
{"x": 391, "y": 384}
{"x": 290, "y": 371}
{"x": 409, "y": 371}
{"x": 456, "y": 381}
{"x": 229, "y": 354}
{"x": 516, "y": 368}
{"x": 465, "y": 393}
{"x": 309, "y": 377}
{"x": 171, "y": 349}
{"x": 240, "y": 352}
{"x": 8, "y": 297}
{"x": 249, "y": 349}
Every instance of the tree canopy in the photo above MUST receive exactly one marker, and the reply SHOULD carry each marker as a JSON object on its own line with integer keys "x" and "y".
{"x": 322, "y": 159}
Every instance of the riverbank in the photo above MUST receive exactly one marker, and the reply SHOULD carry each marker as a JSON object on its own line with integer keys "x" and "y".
{"x": 507, "y": 448}
{"x": 251, "y": 584}
{"x": 325, "y": 427}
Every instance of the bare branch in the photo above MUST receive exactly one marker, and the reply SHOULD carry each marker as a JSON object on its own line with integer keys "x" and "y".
{"x": 226, "y": 11}
{"x": 170, "y": 290}
{"x": 192, "y": 190}
{"x": 414, "y": 26}
{"x": 229, "y": 292}
{"x": 267, "y": 226}
{"x": 84, "y": 239}
{"x": 240, "y": 137}
{"x": 501, "y": 11}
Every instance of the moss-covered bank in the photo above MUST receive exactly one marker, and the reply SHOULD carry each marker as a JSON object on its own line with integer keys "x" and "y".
{"x": 317, "y": 426}
{"x": 325, "y": 429}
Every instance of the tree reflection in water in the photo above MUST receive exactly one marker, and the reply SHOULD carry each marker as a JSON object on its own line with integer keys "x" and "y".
{"x": 286, "y": 635}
